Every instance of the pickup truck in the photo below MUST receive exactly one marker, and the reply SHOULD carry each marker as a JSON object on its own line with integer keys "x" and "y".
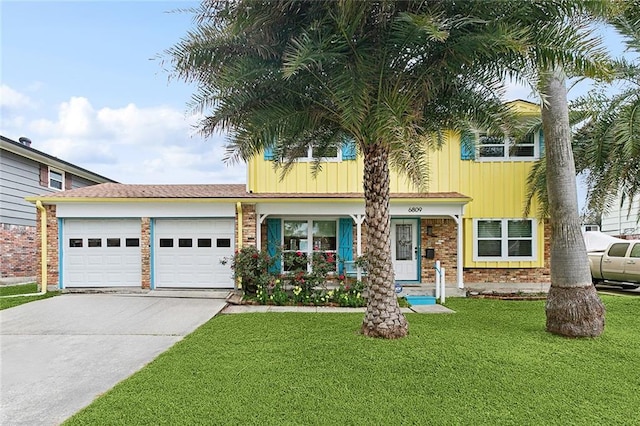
{"x": 618, "y": 264}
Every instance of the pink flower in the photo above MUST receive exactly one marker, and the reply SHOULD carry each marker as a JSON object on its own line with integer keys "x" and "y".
{"x": 254, "y": 255}
{"x": 298, "y": 253}
{"x": 341, "y": 277}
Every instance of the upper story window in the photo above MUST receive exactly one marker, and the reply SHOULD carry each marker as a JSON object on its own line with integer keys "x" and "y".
{"x": 56, "y": 179}
{"x": 326, "y": 153}
{"x": 491, "y": 147}
{"x": 347, "y": 151}
{"x": 504, "y": 240}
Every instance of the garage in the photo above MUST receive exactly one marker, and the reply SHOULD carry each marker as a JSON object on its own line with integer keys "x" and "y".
{"x": 101, "y": 253}
{"x": 187, "y": 253}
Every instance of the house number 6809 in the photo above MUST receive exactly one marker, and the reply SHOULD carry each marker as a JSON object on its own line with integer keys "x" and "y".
{"x": 415, "y": 209}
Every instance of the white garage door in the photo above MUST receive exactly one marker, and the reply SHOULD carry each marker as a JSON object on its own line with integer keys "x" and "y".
{"x": 188, "y": 252}
{"x": 101, "y": 253}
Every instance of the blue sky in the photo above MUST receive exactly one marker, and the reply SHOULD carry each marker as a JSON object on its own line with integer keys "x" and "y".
{"x": 79, "y": 79}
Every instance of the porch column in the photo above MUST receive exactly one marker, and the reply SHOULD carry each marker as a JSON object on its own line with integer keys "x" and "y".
{"x": 460, "y": 254}
{"x": 259, "y": 219}
{"x": 358, "y": 219}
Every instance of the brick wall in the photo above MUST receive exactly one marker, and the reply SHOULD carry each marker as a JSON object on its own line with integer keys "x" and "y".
{"x": 17, "y": 251}
{"x": 440, "y": 235}
{"x": 248, "y": 225}
{"x": 52, "y": 246}
{"x": 145, "y": 251}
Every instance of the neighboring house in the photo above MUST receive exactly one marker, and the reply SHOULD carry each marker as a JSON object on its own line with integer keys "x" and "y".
{"x": 621, "y": 221}
{"x": 173, "y": 236}
{"x": 25, "y": 171}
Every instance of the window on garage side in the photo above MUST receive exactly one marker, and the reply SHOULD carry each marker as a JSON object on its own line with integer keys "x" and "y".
{"x": 94, "y": 242}
{"x": 504, "y": 239}
{"x": 185, "y": 242}
{"x": 113, "y": 242}
{"x": 132, "y": 242}
{"x": 75, "y": 242}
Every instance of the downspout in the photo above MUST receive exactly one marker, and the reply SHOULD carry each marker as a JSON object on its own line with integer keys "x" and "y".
{"x": 239, "y": 242}
{"x": 43, "y": 247}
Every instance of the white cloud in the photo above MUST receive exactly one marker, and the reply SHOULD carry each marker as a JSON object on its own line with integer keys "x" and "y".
{"x": 11, "y": 99}
{"x": 129, "y": 144}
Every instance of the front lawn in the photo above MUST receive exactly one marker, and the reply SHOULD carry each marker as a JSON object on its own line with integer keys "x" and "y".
{"x": 490, "y": 363}
{"x": 10, "y": 290}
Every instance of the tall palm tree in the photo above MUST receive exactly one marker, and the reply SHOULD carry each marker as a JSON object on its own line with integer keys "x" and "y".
{"x": 573, "y": 307}
{"x": 606, "y": 142}
{"x": 388, "y": 75}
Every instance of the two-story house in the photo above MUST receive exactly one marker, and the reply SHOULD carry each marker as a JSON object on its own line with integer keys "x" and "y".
{"x": 25, "y": 171}
{"x": 174, "y": 236}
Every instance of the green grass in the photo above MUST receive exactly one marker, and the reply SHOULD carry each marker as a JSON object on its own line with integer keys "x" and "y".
{"x": 490, "y": 363}
{"x": 11, "y": 290}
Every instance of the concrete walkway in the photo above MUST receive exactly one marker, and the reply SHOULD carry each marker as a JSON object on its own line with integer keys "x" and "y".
{"x": 57, "y": 355}
{"x": 240, "y": 309}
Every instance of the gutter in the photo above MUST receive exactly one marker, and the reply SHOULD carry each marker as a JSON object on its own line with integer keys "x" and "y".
{"x": 239, "y": 242}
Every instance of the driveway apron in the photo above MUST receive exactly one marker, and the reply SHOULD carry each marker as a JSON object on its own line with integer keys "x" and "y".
{"x": 57, "y": 355}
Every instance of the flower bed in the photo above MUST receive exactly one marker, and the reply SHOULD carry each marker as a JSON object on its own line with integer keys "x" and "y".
{"x": 313, "y": 282}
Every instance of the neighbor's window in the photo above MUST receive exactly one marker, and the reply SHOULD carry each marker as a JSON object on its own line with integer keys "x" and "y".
{"x": 56, "y": 179}
{"x": 501, "y": 147}
{"x": 504, "y": 239}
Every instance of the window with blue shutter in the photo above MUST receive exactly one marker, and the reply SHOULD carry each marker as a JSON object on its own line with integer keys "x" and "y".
{"x": 268, "y": 153}
{"x": 274, "y": 239}
{"x": 467, "y": 147}
{"x": 345, "y": 242}
{"x": 349, "y": 149}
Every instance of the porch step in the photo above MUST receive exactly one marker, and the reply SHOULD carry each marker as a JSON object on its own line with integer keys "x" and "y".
{"x": 421, "y": 300}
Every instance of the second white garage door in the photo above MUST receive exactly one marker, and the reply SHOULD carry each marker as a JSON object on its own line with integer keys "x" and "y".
{"x": 187, "y": 253}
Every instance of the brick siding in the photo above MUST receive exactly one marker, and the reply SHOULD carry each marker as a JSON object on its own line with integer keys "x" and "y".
{"x": 17, "y": 251}
{"x": 52, "y": 246}
{"x": 248, "y": 225}
{"x": 145, "y": 251}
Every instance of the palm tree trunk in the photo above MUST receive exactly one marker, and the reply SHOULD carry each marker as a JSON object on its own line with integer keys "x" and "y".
{"x": 573, "y": 307}
{"x": 383, "y": 317}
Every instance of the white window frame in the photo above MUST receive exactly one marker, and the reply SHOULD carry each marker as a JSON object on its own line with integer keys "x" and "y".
{"x": 62, "y": 179}
{"x": 309, "y": 157}
{"x": 506, "y": 145}
{"x": 309, "y": 251}
{"x": 505, "y": 241}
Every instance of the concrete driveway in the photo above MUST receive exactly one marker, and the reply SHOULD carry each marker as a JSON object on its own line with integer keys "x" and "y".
{"x": 57, "y": 355}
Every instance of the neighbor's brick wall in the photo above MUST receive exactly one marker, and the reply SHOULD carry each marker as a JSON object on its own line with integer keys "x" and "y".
{"x": 52, "y": 246}
{"x": 17, "y": 251}
{"x": 145, "y": 251}
{"x": 248, "y": 225}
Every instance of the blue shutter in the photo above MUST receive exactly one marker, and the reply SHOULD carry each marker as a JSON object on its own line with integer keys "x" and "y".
{"x": 349, "y": 149}
{"x": 345, "y": 242}
{"x": 541, "y": 142}
{"x": 268, "y": 153}
{"x": 274, "y": 238}
{"x": 467, "y": 147}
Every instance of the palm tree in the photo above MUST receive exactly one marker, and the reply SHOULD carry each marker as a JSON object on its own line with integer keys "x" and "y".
{"x": 388, "y": 75}
{"x": 605, "y": 144}
{"x": 573, "y": 307}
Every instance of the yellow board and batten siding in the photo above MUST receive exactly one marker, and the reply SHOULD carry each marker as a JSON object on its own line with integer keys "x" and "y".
{"x": 498, "y": 188}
